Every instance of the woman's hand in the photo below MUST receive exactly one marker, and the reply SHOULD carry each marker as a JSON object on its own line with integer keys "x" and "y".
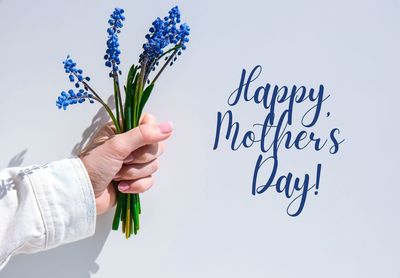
{"x": 130, "y": 158}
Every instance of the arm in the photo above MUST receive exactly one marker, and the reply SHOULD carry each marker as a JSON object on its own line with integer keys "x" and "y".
{"x": 44, "y": 206}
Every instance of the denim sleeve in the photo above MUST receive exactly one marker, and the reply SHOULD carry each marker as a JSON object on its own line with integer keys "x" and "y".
{"x": 44, "y": 206}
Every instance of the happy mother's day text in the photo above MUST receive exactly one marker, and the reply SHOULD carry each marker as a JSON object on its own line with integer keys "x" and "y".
{"x": 277, "y": 132}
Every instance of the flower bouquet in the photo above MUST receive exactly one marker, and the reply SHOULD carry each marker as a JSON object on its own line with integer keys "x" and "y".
{"x": 166, "y": 33}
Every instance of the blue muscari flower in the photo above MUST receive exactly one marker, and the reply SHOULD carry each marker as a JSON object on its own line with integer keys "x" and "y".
{"x": 75, "y": 74}
{"x": 183, "y": 35}
{"x": 113, "y": 52}
{"x": 162, "y": 33}
{"x": 70, "y": 98}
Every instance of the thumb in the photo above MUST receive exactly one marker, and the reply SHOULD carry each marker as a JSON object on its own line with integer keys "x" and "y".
{"x": 121, "y": 145}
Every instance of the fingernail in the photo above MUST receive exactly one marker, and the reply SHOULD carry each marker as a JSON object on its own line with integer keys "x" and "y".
{"x": 166, "y": 127}
{"x": 122, "y": 186}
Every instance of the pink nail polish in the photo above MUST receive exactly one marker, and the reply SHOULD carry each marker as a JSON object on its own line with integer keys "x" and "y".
{"x": 166, "y": 127}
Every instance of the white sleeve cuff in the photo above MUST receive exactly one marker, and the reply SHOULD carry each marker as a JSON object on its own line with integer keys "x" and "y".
{"x": 66, "y": 201}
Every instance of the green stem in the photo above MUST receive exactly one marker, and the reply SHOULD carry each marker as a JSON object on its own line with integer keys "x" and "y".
{"x": 86, "y": 85}
{"x": 159, "y": 58}
{"x": 169, "y": 51}
{"x": 164, "y": 66}
{"x": 111, "y": 114}
{"x": 109, "y": 111}
{"x": 118, "y": 100}
{"x": 128, "y": 216}
{"x": 136, "y": 212}
{"x": 123, "y": 210}
{"x": 117, "y": 215}
{"x": 138, "y": 200}
{"x": 117, "y": 106}
{"x": 138, "y": 92}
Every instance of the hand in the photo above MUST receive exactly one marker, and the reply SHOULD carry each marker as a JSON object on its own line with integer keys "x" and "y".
{"x": 130, "y": 158}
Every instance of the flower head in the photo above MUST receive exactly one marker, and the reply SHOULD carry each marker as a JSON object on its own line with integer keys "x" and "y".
{"x": 113, "y": 52}
{"x": 75, "y": 74}
{"x": 163, "y": 33}
{"x": 183, "y": 35}
{"x": 70, "y": 98}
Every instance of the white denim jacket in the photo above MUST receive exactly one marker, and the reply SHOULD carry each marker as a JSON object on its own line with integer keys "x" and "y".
{"x": 44, "y": 206}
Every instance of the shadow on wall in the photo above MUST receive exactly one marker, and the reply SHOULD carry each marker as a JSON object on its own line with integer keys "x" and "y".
{"x": 18, "y": 159}
{"x": 8, "y": 184}
{"x": 98, "y": 121}
{"x": 77, "y": 260}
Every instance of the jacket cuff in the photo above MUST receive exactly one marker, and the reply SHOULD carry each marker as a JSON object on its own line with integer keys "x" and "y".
{"x": 66, "y": 200}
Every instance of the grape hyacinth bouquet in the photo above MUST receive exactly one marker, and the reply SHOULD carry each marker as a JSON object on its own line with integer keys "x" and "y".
{"x": 165, "y": 41}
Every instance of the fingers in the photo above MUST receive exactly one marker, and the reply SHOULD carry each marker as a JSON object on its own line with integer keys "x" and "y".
{"x": 149, "y": 152}
{"x": 136, "y": 186}
{"x": 148, "y": 119}
{"x": 146, "y": 153}
{"x": 121, "y": 145}
{"x": 137, "y": 171}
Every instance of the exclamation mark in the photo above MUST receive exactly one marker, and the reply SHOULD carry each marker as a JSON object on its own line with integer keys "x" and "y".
{"x": 318, "y": 178}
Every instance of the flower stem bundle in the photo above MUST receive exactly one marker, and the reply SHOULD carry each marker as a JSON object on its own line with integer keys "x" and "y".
{"x": 166, "y": 33}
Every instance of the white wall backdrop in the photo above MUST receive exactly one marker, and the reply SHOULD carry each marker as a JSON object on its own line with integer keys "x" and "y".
{"x": 200, "y": 219}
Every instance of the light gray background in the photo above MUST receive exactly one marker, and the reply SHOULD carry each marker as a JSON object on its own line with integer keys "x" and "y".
{"x": 200, "y": 219}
